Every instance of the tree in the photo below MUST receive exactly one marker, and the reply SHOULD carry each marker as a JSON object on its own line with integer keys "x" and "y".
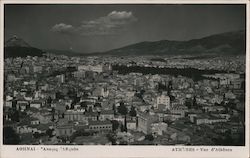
{"x": 203, "y": 110}
{"x": 67, "y": 107}
{"x": 112, "y": 138}
{"x": 15, "y": 116}
{"x": 10, "y": 136}
{"x": 90, "y": 109}
{"x": 125, "y": 124}
{"x": 49, "y": 132}
{"x": 161, "y": 87}
{"x": 73, "y": 95}
{"x": 222, "y": 104}
{"x": 72, "y": 106}
{"x": 53, "y": 110}
{"x": 169, "y": 88}
{"x": 149, "y": 137}
{"x": 114, "y": 108}
{"x": 80, "y": 132}
{"x": 49, "y": 100}
{"x": 85, "y": 94}
{"x": 83, "y": 104}
{"x": 59, "y": 95}
{"x": 138, "y": 95}
{"x": 122, "y": 128}
{"x": 241, "y": 139}
{"x": 142, "y": 92}
{"x": 168, "y": 121}
{"x": 170, "y": 85}
{"x": 172, "y": 98}
{"x": 115, "y": 125}
{"x": 53, "y": 114}
{"x": 188, "y": 104}
{"x": 228, "y": 140}
{"x": 36, "y": 135}
{"x": 122, "y": 109}
{"x": 97, "y": 104}
{"x": 132, "y": 111}
{"x": 14, "y": 102}
{"x": 195, "y": 105}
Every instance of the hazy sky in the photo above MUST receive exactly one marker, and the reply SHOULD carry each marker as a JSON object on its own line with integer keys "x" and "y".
{"x": 91, "y": 28}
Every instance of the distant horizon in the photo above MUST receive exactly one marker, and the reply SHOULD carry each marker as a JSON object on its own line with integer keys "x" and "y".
{"x": 94, "y": 28}
{"x": 66, "y": 50}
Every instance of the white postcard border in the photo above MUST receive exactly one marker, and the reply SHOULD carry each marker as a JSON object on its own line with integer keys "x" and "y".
{"x": 11, "y": 151}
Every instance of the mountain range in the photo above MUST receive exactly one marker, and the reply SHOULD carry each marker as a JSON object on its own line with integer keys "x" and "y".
{"x": 229, "y": 43}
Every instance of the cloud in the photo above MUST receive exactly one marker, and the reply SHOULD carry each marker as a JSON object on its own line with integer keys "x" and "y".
{"x": 123, "y": 16}
{"x": 115, "y": 22}
{"x": 63, "y": 28}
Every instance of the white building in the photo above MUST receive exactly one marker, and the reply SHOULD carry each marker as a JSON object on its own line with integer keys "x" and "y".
{"x": 79, "y": 74}
{"x": 36, "y": 104}
{"x": 95, "y": 68}
{"x": 164, "y": 100}
{"x": 159, "y": 128}
{"x": 131, "y": 125}
{"x": 37, "y": 69}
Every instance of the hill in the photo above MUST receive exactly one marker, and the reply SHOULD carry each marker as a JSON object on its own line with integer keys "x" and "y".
{"x": 230, "y": 43}
{"x": 17, "y": 47}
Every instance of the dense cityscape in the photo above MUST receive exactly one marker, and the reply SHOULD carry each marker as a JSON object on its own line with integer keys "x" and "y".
{"x": 124, "y": 100}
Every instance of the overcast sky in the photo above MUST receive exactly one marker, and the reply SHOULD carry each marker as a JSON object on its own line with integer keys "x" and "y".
{"x": 92, "y": 28}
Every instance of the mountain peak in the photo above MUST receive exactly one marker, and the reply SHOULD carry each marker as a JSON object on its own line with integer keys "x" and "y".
{"x": 17, "y": 47}
{"x": 15, "y": 41}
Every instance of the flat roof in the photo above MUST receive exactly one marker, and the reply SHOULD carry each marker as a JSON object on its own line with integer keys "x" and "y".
{"x": 99, "y": 123}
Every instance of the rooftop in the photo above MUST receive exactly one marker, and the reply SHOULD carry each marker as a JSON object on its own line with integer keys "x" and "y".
{"x": 99, "y": 123}
{"x": 110, "y": 112}
{"x": 65, "y": 126}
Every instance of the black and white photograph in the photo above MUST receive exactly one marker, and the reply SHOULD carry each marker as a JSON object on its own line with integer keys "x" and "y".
{"x": 124, "y": 74}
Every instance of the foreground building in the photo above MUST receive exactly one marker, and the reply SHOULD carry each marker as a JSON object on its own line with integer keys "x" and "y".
{"x": 144, "y": 122}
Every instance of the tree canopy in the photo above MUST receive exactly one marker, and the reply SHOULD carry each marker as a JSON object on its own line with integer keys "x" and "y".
{"x": 122, "y": 109}
{"x": 10, "y": 136}
{"x": 132, "y": 111}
